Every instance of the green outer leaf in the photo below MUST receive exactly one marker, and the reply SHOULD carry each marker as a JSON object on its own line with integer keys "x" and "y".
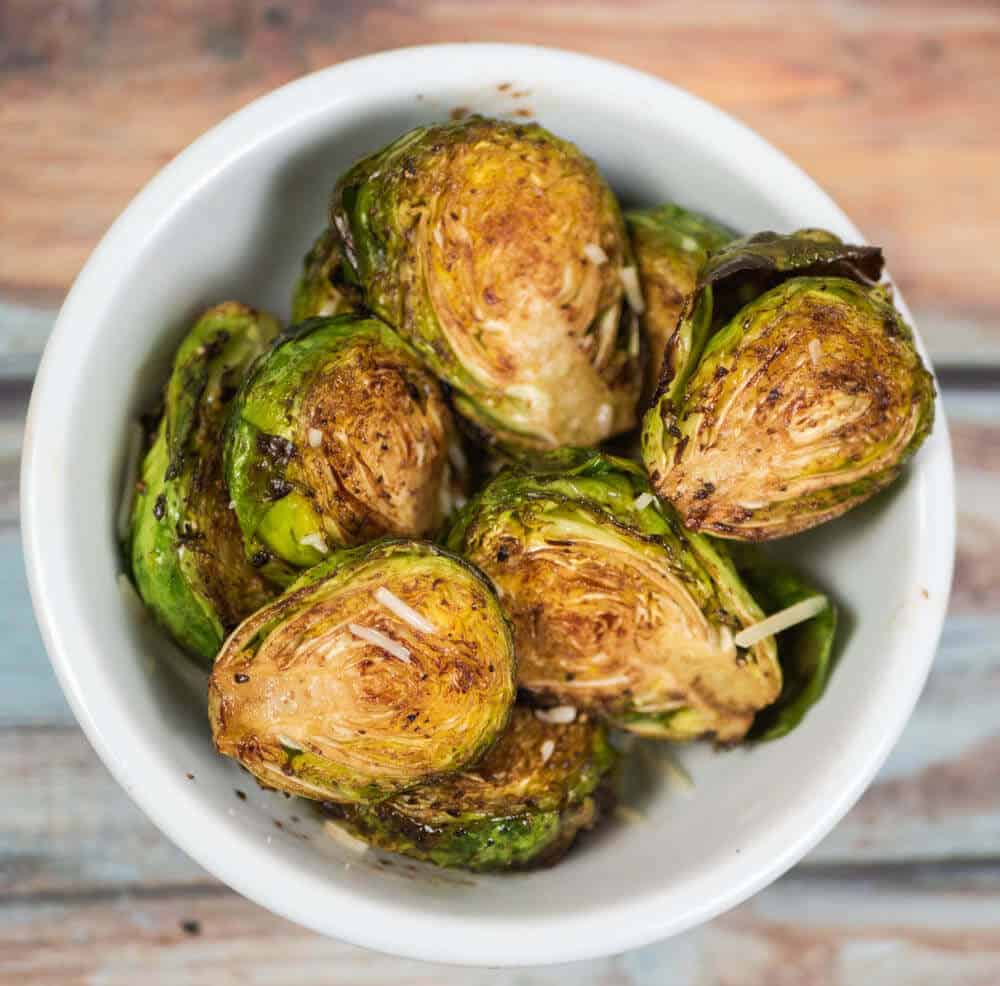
{"x": 163, "y": 583}
{"x": 671, "y": 246}
{"x": 181, "y": 482}
{"x": 676, "y": 726}
{"x": 448, "y": 832}
{"x": 269, "y": 404}
{"x": 322, "y": 288}
{"x": 672, "y": 227}
{"x": 804, "y": 651}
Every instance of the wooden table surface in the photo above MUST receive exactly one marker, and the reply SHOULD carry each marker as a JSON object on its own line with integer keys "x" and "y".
{"x": 895, "y": 109}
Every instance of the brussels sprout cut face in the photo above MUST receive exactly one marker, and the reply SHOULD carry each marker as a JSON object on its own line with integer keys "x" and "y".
{"x": 339, "y": 435}
{"x": 616, "y": 610}
{"x": 805, "y": 405}
{"x": 186, "y": 547}
{"x": 791, "y": 389}
{"x": 337, "y": 692}
{"x": 671, "y": 246}
{"x": 499, "y": 252}
{"x": 744, "y": 269}
{"x": 522, "y": 804}
{"x": 322, "y": 289}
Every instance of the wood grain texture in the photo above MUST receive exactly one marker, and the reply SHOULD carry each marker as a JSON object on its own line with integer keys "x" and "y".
{"x": 915, "y": 926}
{"x": 891, "y": 106}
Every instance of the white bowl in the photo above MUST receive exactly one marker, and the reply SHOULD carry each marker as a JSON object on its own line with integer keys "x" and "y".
{"x": 231, "y": 217}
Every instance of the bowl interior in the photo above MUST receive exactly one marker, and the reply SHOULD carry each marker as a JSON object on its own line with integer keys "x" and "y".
{"x": 231, "y": 218}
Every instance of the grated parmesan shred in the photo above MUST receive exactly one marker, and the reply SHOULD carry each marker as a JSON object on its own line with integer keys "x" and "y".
{"x": 782, "y": 620}
{"x": 642, "y": 501}
{"x": 406, "y": 613}
{"x": 315, "y": 437}
{"x": 815, "y": 351}
{"x": 634, "y": 342}
{"x": 548, "y": 748}
{"x": 595, "y": 254}
{"x": 456, "y": 456}
{"x": 316, "y": 541}
{"x": 380, "y": 640}
{"x": 344, "y": 838}
{"x": 561, "y": 715}
{"x": 630, "y": 282}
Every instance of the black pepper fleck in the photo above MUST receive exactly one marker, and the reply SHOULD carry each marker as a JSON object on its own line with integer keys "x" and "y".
{"x": 278, "y": 488}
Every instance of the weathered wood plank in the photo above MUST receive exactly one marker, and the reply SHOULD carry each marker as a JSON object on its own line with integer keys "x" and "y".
{"x": 880, "y": 928}
{"x": 887, "y": 105}
{"x": 78, "y": 831}
{"x": 24, "y": 331}
{"x": 30, "y": 694}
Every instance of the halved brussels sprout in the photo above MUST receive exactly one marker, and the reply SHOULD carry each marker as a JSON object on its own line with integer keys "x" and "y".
{"x": 671, "y": 246}
{"x": 616, "y": 610}
{"x": 384, "y": 667}
{"x": 782, "y": 408}
{"x": 499, "y": 251}
{"x": 322, "y": 289}
{"x": 185, "y": 546}
{"x": 339, "y": 435}
{"x": 522, "y": 805}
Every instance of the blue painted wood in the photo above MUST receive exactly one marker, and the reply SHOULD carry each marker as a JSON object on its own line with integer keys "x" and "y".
{"x": 24, "y": 331}
{"x": 29, "y": 693}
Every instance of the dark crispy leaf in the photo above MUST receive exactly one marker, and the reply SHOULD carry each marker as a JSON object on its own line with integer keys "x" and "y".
{"x": 805, "y": 651}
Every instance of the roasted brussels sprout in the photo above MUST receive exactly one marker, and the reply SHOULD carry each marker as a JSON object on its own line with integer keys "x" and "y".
{"x": 499, "y": 251}
{"x": 339, "y": 435}
{"x": 522, "y": 804}
{"x": 185, "y": 546}
{"x": 671, "y": 245}
{"x": 323, "y": 289}
{"x": 383, "y": 667}
{"x": 616, "y": 610}
{"x": 791, "y": 390}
